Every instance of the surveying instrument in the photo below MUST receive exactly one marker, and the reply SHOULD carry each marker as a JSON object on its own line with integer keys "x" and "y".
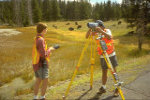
{"x": 102, "y": 45}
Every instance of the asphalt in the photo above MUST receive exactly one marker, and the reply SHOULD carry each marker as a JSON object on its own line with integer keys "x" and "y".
{"x": 138, "y": 89}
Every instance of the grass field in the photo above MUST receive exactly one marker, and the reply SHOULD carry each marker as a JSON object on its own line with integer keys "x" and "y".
{"x": 15, "y": 51}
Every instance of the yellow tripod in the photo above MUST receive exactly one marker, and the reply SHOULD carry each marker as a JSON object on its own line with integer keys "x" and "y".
{"x": 92, "y": 58}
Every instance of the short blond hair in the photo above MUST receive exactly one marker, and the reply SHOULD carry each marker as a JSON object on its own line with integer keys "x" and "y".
{"x": 40, "y": 27}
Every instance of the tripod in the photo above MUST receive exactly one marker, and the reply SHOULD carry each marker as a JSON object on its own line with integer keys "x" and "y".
{"x": 103, "y": 47}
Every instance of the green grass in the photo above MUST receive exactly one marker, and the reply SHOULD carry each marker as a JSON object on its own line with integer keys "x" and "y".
{"x": 15, "y": 51}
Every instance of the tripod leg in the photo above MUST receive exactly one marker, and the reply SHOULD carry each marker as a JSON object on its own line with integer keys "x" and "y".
{"x": 74, "y": 74}
{"x": 91, "y": 80}
{"x": 121, "y": 93}
{"x": 77, "y": 67}
{"x": 93, "y": 53}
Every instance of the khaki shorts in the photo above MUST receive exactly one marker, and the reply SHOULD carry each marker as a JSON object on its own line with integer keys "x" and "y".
{"x": 113, "y": 60}
{"x": 42, "y": 72}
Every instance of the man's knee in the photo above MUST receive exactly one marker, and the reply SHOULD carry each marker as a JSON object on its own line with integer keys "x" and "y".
{"x": 45, "y": 80}
{"x": 38, "y": 80}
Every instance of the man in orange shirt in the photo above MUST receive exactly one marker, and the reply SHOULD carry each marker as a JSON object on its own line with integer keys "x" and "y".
{"x": 110, "y": 51}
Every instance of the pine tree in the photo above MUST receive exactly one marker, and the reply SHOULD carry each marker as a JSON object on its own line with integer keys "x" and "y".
{"x": 47, "y": 10}
{"x": 16, "y": 11}
{"x": 29, "y": 11}
{"x": 37, "y": 13}
{"x": 108, "y": 10}
{"x": 56, "y": 10}
{"x": 62, "y": 6}
{"x": 101, "y": 11}
{"x": 1, "y": 12}
{"x": 23, "y": 13}
{"x": 69, "y": 10}
{"x": 85, "y": 9}
{"x": 96, "y": 12}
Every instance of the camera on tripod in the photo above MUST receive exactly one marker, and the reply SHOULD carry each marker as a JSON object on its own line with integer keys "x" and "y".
{"x": 92, "y": 25}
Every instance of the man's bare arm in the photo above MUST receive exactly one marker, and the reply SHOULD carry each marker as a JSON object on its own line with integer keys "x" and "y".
{"x": 104, "y": 33}
{"x": 88, "y": 33}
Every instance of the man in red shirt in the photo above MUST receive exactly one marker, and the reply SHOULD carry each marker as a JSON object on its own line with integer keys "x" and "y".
{"x": 40, "y": 57}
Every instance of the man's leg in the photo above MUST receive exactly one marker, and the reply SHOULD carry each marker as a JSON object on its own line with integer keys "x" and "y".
{"x": 44, "y": 87}
{"x": 104, "y": 76}
{"x": 36, "y": 86}
{"x": 104, "y": 80}
{"x": 115, "y": 69}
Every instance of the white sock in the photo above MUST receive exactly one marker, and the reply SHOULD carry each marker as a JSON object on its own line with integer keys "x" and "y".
{"x": 104, "y": 86}
{"x": 42, "y": 97}
{"x": 35, "y": 97}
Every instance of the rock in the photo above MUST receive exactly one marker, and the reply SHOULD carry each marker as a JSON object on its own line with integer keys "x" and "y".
{"x": 68, "y": 24}
{"x": 71, "y": 28}
{"x": 54, "y": 26}
{"x": 119, "y": 22}
{"x": 76, "y": 23}
{"x": 79, "y": 26}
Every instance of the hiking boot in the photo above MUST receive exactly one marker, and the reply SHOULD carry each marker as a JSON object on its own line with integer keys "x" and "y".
{"x": 102, "y": 90}
{"x": 116, "y": 93}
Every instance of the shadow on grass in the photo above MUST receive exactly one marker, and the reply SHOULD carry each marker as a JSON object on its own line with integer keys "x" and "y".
{"x": 83, "y": 94}
{"x": 96, "y": 97}
{"x": 109, "y": 98}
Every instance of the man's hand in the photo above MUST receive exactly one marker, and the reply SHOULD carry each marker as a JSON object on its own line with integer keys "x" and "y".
{"x": 51, "y": 48}
{"x": 88, "y": 33}
{"x": 49, "y": 51}
{"x": 90, "y": 30}
{"x": 54, "y": 47}
{"x": 98, "y": 29}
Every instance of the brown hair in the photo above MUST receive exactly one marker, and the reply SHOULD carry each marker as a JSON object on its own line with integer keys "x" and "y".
{"x": 40, "y": 27}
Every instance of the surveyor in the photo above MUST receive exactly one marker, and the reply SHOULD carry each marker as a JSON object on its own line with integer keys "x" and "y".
{"x": 40, "y": 58}
{"x": 110, "y": 51}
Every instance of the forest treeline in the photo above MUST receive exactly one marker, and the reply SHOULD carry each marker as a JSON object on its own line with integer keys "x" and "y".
{"x": 29, "y": 12}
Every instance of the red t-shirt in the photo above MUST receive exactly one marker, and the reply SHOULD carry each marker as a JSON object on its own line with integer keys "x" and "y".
{"x": 40, "y": 44}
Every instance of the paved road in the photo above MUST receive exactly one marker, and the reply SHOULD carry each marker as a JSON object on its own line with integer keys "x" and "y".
{"x": 138, "y": 89}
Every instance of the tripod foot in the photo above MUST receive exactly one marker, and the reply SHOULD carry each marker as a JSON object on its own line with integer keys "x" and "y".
{"x": 63, "y": 97}
{"x": 91, "y": 87}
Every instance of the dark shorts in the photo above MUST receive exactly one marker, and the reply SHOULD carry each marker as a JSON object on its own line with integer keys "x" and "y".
{"x": 43, "y": 71}
{"x": 113, "y": 60}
